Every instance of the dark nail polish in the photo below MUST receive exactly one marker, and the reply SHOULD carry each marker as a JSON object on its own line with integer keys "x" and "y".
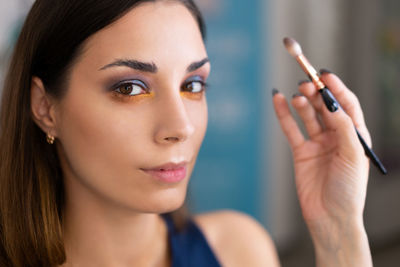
{"x": 274, "y": 91}
{"x": 297, "y": 95}
{"x": 324, "y": 71}
{"x": 303, "y": 81}
{"x": 329, "y": 100}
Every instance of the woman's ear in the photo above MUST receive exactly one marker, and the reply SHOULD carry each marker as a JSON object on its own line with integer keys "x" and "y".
{"x": 42, "y": 106}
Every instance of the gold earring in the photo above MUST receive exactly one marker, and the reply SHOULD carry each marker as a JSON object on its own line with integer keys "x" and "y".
{"x": 50, "y": 139}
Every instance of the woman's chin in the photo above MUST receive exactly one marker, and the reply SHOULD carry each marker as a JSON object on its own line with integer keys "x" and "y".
{"x": 164, "y": 204}
{"x": 163, "y": 208}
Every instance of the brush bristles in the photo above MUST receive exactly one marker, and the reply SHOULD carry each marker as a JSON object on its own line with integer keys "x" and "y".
{"x": 292, "y": 46}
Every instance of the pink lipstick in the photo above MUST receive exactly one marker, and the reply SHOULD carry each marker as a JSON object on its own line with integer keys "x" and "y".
{"x": 168, "y": 173}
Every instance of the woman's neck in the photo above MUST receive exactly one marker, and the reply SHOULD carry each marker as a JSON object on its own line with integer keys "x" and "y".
{"x": 97, "y": 234}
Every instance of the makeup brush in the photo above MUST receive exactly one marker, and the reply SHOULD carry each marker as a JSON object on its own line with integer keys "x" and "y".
{"x": 294, "y": 48}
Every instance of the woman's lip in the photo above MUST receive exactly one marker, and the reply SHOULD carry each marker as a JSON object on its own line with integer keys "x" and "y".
{"x": 168, "y": 166}
{"x": 168, "y": 173}
{"x": 168, "y": 176}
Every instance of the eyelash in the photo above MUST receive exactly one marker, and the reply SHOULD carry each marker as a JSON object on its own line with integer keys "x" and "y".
{"x": 204, "y": 85}
{"x": 129, "y": 85}
{"x": 124, "y": 85}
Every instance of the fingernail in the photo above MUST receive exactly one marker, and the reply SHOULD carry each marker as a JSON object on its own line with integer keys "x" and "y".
{"x": 297, "y": 95}
{"x": 324, "y": 71}
{"x": 303, "y": 81}
{"x": 274, "y": 91}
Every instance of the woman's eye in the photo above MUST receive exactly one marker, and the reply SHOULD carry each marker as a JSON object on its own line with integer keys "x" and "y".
{"x": 130, "y": 88}
{"x": 194, "y": 87}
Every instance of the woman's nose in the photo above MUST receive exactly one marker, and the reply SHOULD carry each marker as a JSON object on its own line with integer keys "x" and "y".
{"x": 173, "y": 121}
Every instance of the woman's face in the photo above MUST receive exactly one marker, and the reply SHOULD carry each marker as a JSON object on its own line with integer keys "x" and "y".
{"x": 135, "y": 102}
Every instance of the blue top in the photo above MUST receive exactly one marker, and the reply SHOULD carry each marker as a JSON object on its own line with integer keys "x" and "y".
{"x": 189, "y": 247}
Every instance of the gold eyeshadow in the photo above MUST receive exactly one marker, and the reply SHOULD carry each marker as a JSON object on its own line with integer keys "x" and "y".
{"x": 192, "y": 96}
{"x": 185, "y": 90}
{"x": 135, "y": 98}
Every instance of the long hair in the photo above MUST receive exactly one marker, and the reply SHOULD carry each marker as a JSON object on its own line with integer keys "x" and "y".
{"x": 31, "y": 182}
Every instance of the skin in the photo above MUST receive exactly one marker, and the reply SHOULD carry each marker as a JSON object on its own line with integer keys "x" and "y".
{"x": 105, "y": 139}
{"x": 331, "y": 171}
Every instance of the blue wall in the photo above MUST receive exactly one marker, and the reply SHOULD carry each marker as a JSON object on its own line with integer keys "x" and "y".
{"x": 228, "y": 171}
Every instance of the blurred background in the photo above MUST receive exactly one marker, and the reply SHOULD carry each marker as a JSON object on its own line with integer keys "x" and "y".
{"x": 245, "y": 162}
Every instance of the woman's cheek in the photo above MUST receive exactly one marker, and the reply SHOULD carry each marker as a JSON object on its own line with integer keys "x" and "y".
{"x": 97, "y": 136}
{"x": 199, "y": 117}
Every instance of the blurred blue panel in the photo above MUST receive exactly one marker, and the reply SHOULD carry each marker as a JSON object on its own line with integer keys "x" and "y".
{"x": 228, "y": 170}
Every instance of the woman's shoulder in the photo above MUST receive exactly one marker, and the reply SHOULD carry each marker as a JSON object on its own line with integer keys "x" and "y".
{"x": 237, "y": 239}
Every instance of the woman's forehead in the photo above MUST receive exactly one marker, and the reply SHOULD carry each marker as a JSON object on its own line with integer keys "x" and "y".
{"x": 152, "y": 29}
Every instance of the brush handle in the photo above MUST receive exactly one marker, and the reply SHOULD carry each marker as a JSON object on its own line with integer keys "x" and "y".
{"x": 333, "y": 105}
{"x": 370, "y": 154}
{"x": 330, "y": 101}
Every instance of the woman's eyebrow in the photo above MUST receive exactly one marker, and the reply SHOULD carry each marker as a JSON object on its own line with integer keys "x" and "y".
{"x": 149, "y": 67}
{"x": 133, "y": 64}
{"x": 196, "y": 65}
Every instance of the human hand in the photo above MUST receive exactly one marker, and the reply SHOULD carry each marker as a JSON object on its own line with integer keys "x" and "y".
{"x": 331, "y": 168}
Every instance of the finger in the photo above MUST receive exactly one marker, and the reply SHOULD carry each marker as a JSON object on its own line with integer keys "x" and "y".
{"x": 308, "y": 90}
{"x": 288, "y": 124}
{"x": 347, "y": 99}
{"x": 308, "y": 115}
{"x": 341, "y": 125}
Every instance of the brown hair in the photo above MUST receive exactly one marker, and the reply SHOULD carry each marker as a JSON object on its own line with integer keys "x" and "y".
{"x": 31, "y": 183}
